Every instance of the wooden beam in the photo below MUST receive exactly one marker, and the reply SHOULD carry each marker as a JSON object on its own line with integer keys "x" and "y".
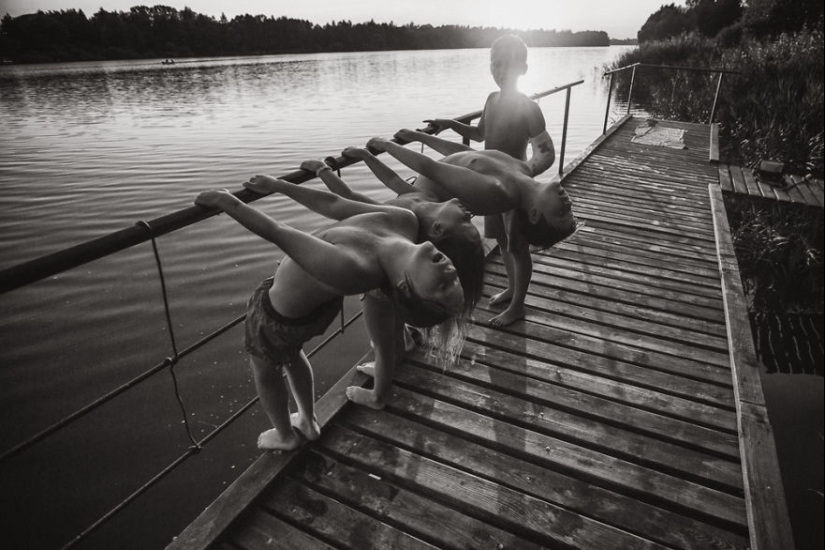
{"x": 768, "y": 522}
{"x": 714, "y": 143}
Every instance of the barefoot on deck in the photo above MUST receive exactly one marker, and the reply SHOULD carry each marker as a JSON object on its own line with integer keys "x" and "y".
{"x": 363, "y": 396}
{"x": 367, "y": 368}
{"x": 309, "y": 428}
{"x": 501, "y": 298}
{"x": 272, "y": 440}
{"x": 508, "y": 317}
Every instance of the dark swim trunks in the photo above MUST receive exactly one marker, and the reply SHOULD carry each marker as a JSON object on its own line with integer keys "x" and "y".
{"x": 277, "y": 339}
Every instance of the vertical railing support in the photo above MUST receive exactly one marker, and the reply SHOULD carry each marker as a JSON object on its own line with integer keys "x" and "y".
{"x": 630, "y": 92}
{"x": 607, "y": 108}
{"x": 564, "y": 132}
{"x": 716, "y": 97}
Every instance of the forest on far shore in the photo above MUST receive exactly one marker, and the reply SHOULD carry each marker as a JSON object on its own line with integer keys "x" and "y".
{"x": 164, "y": 32}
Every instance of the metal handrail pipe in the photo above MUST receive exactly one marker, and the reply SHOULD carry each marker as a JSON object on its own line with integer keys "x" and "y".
{"x": 39, "y": 268}
{"x": 675, "y": 67}
{"x": 620, "y": 69}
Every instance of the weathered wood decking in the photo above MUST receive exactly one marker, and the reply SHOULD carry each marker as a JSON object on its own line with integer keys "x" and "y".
{"x": 607, "y": 419}
{"x": 795, "y": 189}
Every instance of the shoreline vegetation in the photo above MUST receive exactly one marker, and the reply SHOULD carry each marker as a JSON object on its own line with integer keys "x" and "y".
{"x": 771, "y": 110}
{"x": 164, "y": 32}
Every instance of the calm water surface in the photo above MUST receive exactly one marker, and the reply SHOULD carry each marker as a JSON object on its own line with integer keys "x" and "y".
{"x": 90, "y": 148}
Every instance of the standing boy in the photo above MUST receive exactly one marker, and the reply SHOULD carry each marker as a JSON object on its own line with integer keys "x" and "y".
{"x": 508, "y": 122}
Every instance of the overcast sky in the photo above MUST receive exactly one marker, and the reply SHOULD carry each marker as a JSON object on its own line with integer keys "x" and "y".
{"x": 620, "y": 19}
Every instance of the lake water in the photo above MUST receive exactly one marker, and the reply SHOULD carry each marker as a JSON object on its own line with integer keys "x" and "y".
{"x": 90, "y": 148}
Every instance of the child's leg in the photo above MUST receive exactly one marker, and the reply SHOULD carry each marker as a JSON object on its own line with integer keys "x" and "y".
{"x": 509, "y": 268}
{"x": 269, "y": 381}
{"x": 302, "y": 384}
{"x": 386, "y": 333}
{"x": 519, "y": 281}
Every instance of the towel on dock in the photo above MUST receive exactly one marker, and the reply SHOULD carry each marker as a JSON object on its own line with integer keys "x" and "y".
{"x": 650, "y": 133}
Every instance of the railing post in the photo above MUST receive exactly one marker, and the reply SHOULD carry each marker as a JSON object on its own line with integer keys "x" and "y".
{"x": 564, "y": 131}
{"x": 607, "y": 109}
{"x": 716, "y": 97}
{"x": 630, "y": 92}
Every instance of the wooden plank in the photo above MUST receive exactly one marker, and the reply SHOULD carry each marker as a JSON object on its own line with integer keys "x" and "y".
{"x": 685, "y": 242}
{"x": 793, "y": 190}
{"x": 768, "y": 520}
{"x": 326, "y": 517}
{"x": 816, "y": 188}
{"x": 662, "y": 349}
{"x": 724, "y": 178}
{"x": 713, "y": 146}
{"x": 782, "y": 194}
{"x": 551, "y": 288}
{"x": 596, "y": 196}
{"x": 722, "y": 439}
{"x": 602, "y": 287}
{"x": 597, "y": 343}
{"x": 677, "y": 269}
{"x": 219, "y": 515}
{"x": 522, "y": 474}
{"x": 674, "y": 337}
{"x": 674, "y": 246}
{"x": 715, "y": 429}
{"x": 595, "y": 273}
{"x": 805, "y": 190}
{"x": 696, "y": 256}
{"x": 655, "y": 229}
{"x": 527, "y": 516}
{"x": 648, "y": 485}
{"x": 614, "y": 439}
{"x": 260, "y": 531}
{"x": 738, "y": 180}
{"x": 424, "y": 518}
{"x": 582, "y": 361}
{"x": 751, "y": 183}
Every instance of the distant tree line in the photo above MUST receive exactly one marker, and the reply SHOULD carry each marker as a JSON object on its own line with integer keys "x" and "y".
{"x": 731, "y": 19}
{"x": 162, "y": 31}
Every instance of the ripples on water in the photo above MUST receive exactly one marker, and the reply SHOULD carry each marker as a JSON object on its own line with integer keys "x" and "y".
{"x": 90, "y": 148}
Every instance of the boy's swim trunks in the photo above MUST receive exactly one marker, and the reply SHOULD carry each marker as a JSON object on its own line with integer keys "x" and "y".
{"x": 278, "y": 339}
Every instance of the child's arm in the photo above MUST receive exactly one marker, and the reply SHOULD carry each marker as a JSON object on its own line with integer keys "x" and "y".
{"x": 544, "y": 154}
{"x": 383, "y": 172}
{"x": 436, "y": 143}
{"x": 321, "y": 259}
{"x": 325, "y": 203}
{"x": 480, "y": 193}
{"x": 333, "y": 182}
{"x": 468, "y": 131}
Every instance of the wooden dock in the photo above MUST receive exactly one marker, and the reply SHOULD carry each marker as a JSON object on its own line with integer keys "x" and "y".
{"x": 793, "y": 189}
{"x": 624, "y": 412}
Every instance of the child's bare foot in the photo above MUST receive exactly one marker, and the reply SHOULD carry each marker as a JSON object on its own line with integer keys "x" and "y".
{"x": 273, "y": 440}
{"x": 501, "y": 297}
{"x": 508, "y": 316}
{"x": 363, "y": 396}
{"x": 367, "y": 368}
{"x": 308, "y": 427}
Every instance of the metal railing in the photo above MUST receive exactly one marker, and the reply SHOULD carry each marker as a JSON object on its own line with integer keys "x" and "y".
{"x": 29, "y": 272}
{"x": 565, "y": 87}
{"x": 635, "y": 66}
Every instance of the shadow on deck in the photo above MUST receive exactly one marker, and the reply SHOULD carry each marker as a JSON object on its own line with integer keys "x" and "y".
{"x": 612, "y": 417}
